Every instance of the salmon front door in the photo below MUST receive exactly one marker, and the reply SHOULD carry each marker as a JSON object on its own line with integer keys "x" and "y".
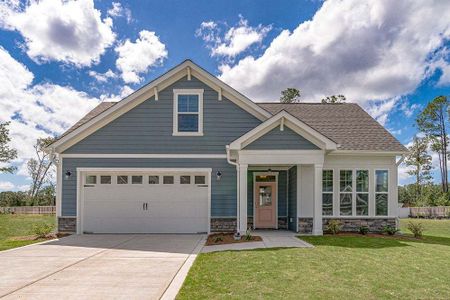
{"x": 265, "y": 202}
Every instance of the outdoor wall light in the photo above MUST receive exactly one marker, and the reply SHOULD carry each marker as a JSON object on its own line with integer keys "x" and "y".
{"x": 218, "y": 175}
{"x": 67, "y": 174}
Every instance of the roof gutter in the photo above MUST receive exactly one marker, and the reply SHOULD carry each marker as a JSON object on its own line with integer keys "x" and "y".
{"x": 402, "y": 158}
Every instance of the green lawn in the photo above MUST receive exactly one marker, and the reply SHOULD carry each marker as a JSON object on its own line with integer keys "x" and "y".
{"x": 337, "y": 268}
{"x": 16, "y": 226}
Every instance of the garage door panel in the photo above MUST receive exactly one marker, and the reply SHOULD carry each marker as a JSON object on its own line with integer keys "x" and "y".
{"x": 170, "y": 208}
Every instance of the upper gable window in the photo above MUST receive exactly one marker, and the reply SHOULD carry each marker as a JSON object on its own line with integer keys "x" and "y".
{"x": 188, "y": 112}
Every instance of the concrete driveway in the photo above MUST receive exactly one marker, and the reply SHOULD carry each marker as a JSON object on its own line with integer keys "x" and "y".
{"x": 97, "y": 266}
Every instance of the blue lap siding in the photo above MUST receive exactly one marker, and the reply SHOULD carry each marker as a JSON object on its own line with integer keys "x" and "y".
{"x": 292, "y": 196}
{"x": 281, "y": 140}
{"x": 148, "y": 127}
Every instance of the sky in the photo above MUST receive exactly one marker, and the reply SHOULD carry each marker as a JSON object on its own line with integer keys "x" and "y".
{"x": 59, "y": 59}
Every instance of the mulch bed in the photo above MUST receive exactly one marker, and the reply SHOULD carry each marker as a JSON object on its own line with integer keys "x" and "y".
{"x": 228, "y": 238}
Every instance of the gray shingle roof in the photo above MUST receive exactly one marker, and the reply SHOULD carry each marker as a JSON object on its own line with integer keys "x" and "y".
{"x": 90, "y": 115}
{"x": 346, "y": 124}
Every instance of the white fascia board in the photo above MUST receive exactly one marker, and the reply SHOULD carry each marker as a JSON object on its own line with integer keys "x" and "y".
{"x": 120, "y": 108}
{"x": 143, "y": 155}
{"x": 367, "y": 153}
{"x": 148, "y": 91}
{"x": 280, "y": 157}
{"x": 290, "y": 121}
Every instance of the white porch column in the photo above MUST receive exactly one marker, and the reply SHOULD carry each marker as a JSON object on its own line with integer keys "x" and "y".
{"x": 242, "y": 215}
{"x": 317, "y": 221}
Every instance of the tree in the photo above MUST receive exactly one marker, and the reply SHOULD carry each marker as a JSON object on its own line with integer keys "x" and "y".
{"x": 421, "y": 163}
{"x": 39, "y": 167}
{"x": 432, "y": 121}
{"x": 290, "y": 95}
{"x": 334, "y": 99}
{"x": 6, "y": 153}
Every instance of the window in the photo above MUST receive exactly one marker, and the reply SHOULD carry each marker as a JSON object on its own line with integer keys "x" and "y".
{"x": 200, "y": 180}
{"x": 91, "y": 179}
{"x": 327, "y": 192}
{"x": 188, "y": 112}
{"x": 185, "y": 179}
{"x": 381, "y": 192}
{"x": 152, "y": 179}
{"x": 362, "y": 192}
{"x": 346, "y": 192}
{"x": 136, "y": 179}
{"x": 122, "y": 179}
{"x": 105, "y": 179}
{"x": 167, "y": 179}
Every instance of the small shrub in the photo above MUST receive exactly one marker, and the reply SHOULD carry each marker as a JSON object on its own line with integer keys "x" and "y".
{"x": 334, "y": 226}
{"x": 391, "y": 230}
{"x": 41, "y": 230}
{"x": 417, "y": 229}
{"x": 248, "y": 235}
{"x": 364, "y": 230}
{"x": 218, "y": 238}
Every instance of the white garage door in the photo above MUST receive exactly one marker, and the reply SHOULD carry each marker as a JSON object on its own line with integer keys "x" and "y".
{"x": 145, "y": 202}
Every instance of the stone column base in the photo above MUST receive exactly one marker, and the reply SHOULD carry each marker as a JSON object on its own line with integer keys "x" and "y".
{"x": 67, "y": 224}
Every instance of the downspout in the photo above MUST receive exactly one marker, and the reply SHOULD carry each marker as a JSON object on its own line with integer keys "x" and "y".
{"x": 237, "y": 186}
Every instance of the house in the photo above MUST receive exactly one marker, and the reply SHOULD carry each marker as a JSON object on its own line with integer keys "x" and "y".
{"x": 188, "y": 153}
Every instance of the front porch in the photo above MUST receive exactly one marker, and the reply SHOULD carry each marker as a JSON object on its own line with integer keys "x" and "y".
{"x": 278, "y": 196}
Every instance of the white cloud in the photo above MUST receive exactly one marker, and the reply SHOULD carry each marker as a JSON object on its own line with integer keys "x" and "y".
{"x": 103, "y": 77}
{"x": 409, "y": 109}
{"x": 234, "y": 41}
{"x": 117, "y": 10}
{"x": 56, "y": 30}
{"x": 136, "y": 58}
{"x": 365, "y": 50}
{"x": 6, "y": 186}
{"x": 36, "y": 110}
{"x": 380, "y": 110}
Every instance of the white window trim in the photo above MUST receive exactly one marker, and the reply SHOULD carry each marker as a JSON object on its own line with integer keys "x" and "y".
{"x": 366, "y": 193}
{"x": 332, "y": 191}
{"x": 176, "y": 93}
{"x": 375, "y": 191}
{"x": 351, "y": 193}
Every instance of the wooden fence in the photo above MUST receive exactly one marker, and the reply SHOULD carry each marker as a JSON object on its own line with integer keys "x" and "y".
{"x": 430, "y": 212}
{"x": 35, "y": 210}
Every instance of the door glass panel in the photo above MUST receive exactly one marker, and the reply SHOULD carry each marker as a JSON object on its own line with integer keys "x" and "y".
{"x": 265, "y": 196}
{"x": 265, "y": 178}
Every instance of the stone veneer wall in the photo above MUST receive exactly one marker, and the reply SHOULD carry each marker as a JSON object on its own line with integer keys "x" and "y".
{"x": 305, "y": 225}
{"x": 374, "y": 224}
{"x": 67, "y": 224}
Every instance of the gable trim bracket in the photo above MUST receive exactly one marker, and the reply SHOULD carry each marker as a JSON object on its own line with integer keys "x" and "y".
{"x": 186, "y": 68}
{"x": 282, "y": 119}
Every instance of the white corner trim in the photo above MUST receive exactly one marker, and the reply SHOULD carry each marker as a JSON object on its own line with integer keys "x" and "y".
{"x": 178, "y": 92}
{"x": 290, "y": 121}
{"x": 155, "y": 91}
{"x": 147, "y": 92}
{"x": 187, "y": 155}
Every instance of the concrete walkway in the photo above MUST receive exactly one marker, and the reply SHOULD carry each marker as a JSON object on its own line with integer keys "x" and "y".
{"x": 98, "y": 267}
{"x": 270, "y": 239}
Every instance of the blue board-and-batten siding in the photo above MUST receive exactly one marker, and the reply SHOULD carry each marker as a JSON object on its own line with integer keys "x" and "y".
{"x": 281, "y": 140}
{"x": 223, "y": 191}
{"x": 148, "y": 127}
{"x": 292, "y": 196}
{"x": 281, "y": 191}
